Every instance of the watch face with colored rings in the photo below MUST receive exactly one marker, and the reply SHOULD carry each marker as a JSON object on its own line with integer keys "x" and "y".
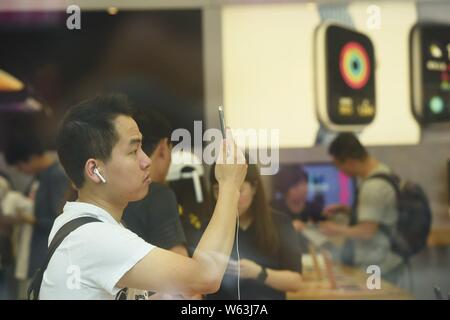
{"x": 350, "y": 76}
{"x": 354, "y": 65}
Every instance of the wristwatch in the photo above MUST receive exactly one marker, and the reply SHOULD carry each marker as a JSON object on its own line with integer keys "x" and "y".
{"x": 262, "y": 276}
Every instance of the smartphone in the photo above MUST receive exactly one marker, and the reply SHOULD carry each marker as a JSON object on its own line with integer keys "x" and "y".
{"x": 223, "y": 127}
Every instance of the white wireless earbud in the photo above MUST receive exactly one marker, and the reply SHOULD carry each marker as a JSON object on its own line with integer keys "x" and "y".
{"x": 97, "y": 173}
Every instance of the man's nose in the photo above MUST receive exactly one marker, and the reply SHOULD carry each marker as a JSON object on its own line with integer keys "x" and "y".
{"x": 145, "y": 161}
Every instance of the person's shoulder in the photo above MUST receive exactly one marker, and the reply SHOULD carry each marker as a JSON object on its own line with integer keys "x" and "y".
{"x": 279, "y": 205}
{"x": 56, "y": 171}
{"x": 102, "y": 234}
{"x": 280, "y": 217}
{"x": 160, "y": 190}
{"x": 159, "y": 187}
{"x": 66, "y": 217}
{"x": 380, "y": 170}
{"x": 377, "y": 186}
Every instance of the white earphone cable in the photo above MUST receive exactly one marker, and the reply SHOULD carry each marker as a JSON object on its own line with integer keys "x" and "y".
{"x": 238, "y": 259}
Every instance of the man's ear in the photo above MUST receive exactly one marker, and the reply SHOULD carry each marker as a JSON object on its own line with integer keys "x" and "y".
{"x": 89, "y": 167}
{"x": 167, "y": 146}
{"x": 163, "y": 148}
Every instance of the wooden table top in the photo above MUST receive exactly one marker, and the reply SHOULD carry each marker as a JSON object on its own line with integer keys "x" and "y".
{"x": 350, "y": 284}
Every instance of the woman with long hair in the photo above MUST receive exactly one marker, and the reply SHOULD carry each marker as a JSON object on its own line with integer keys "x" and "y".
{"x": 269, "y": 263}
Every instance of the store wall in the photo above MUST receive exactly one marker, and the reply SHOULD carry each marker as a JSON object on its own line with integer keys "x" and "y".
{"x": 267, "y": 72}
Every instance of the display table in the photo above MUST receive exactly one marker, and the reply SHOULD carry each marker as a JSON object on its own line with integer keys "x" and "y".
{"x": 350, "y": 283}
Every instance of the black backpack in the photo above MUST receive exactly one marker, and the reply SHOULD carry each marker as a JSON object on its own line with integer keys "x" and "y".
{"x": 414, "y": 216}
{"x": 63, "y": 232}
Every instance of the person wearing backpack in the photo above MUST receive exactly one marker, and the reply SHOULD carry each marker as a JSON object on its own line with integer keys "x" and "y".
{"x": 374, "y": 214}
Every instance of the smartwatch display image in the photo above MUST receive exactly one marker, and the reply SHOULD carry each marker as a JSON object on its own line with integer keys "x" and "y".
{"x": 345, "y": 78}
{"x": 430, "y": 72}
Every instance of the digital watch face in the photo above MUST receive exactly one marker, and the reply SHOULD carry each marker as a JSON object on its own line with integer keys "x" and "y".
{"x": 431, "y": 83}
{"x": 350, "y": 77}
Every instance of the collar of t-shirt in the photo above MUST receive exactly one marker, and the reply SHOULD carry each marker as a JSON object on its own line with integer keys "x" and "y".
{"x": 83, "y": 208}
{"x": 76, "y": 209}
{"x": 380, "y": 168}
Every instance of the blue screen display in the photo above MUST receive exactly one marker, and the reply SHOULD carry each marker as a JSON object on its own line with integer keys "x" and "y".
{"x": 326, "y": 180}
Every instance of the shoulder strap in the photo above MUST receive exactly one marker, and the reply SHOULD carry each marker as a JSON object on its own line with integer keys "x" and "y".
{"x": 395, "y": 184}
{"x": 389, "y": 178}
{"x": 63, "y": 232}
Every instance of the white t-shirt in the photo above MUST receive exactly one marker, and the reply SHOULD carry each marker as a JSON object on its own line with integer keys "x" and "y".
{"x": 377, "y": 202}
{"x": 93, "y": 258}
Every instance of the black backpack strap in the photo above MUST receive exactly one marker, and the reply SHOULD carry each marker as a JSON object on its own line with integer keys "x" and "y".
{"x": 347, "y": 253}
{"x": 63, "y": 232}
{"x": 392, "y": 179}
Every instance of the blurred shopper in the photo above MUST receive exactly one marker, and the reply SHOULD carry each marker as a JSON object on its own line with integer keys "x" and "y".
{"x": 7, "y": 282}
{"x": 291, "y": 184}
{"x": 270, "y": 256}
{"x": 155, "y": 218}
{"x": 30, "y": 154}
{"x": 374, "y": 213}
{"x": 187, "y": 179}
{"x": 291, "y": 190}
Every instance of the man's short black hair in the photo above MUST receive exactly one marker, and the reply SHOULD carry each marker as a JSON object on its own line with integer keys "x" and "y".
{"x": 20, "y": 148}
{"x": 28, "y": 135}
{"x": 347, "y": 146}
{"x": 88, "y": 131}
{"x": 153, "y": 126}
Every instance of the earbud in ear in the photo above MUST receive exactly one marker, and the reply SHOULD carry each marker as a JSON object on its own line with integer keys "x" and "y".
{"x": 97, "y": 173}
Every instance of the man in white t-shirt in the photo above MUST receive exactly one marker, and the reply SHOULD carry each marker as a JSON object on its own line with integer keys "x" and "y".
{"x": 99, "y": 146}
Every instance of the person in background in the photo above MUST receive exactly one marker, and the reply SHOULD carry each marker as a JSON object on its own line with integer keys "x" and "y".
{"x": 187, "y": 179}
{"x": 291, "y": 184}
{"x": 375, "y": 208}
{"x": 7, "y": 281}
{"x": 155, "y": 218}
{"x": 30, "y": 155}
{"x": 270, "y": 256}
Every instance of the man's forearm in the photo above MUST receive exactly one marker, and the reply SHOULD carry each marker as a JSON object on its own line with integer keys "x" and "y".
{"x": 215, "y": 246}
{"x": 360, "y": 231}
{"x": 283, "y": 280}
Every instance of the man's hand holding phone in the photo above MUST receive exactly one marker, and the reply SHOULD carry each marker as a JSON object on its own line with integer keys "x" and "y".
{"x": 231, "y": 167}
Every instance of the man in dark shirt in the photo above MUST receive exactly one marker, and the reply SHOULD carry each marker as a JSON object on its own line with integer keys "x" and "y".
{"x": 155, "y": 218}
{"x": 29, "y": 155}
